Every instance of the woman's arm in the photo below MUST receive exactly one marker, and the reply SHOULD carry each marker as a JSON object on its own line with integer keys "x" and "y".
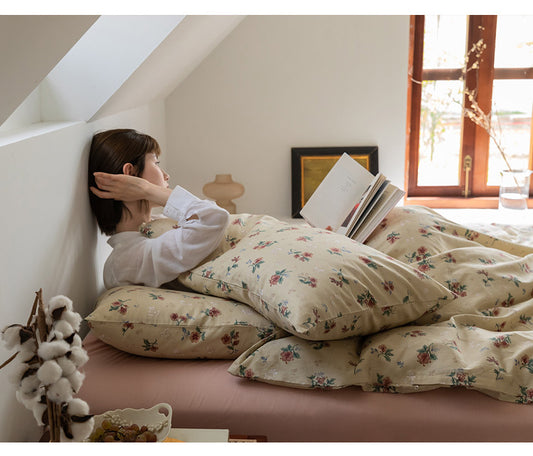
{"x": 124, "y": 187}
{"x": 152, "y": 262}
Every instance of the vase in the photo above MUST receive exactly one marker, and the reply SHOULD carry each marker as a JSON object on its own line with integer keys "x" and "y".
{"x": 223, "y": 190}
{"x": 514, "y": 189}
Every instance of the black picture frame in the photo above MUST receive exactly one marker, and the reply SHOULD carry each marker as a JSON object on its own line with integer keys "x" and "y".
{"x": 309, "y": 165}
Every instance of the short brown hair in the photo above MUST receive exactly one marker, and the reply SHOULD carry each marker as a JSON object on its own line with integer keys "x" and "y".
{"x": 110, "y": 151}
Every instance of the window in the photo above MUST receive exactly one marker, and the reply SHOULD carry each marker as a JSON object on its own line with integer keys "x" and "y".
{"x": 451, "y": 162}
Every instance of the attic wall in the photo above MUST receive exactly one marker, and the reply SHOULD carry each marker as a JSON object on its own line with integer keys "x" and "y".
{"x": 278, "y": 82}
{"x": 49, "y": 237}
{"x": 30, "y": 47}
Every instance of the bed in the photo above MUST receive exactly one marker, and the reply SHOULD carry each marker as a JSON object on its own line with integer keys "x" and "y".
{"x": 262, "y": 342}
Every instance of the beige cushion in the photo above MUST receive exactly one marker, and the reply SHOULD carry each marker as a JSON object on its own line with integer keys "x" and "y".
{"x": 317, "y": 284}
{"x": 176, "y": 324}
{"x": 298, "y": 363}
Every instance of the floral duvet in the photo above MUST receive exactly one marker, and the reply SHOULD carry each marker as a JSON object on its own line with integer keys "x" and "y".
{"x": 424, "y": 303}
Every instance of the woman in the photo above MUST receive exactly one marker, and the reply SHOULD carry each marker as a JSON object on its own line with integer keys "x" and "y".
{"x": 125, "y": 183}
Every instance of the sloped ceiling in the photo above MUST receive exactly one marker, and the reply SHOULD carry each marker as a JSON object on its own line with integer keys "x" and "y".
{"x": 99, "y": 64}
{"x": 173, "y": 60}
{"x": 80, "y": 82}
{"x": 30, "y": 47}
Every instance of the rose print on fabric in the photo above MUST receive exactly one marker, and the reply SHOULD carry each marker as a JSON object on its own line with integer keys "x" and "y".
{"x": 246, "y": 373}
{"x": 382, "y": 351}
{"x": 150, "y": 346}
{"x": 278, "y": 276}
{"x": 308, "y": 280}
{"x": 383, "y": 385}
{"x": 255, "y": 264}
{"x": 289, "y": 353}
{"x": 120, "y": 306}
{"x": 525, "y": 362}
{"x": 299, "y": 255}
{"x": 320, "y": 380}
{"x": 180, "y": 319}
{"x": 525, "y": 396}
{"x": 502, "y": 341}
{"x": 418, "y": 255}
{"x": 211, "y": 312}
{"x": 455, "y": 287}
{"x": 127, "y": 325}
{"x": 340, "y": 280}
{"x": 460, "y": 378}
{"x": 231, "y": 340}
{"x": 393, "y": 237}
{"x": 366, "y": 299}
{"x": 426, "y": 354}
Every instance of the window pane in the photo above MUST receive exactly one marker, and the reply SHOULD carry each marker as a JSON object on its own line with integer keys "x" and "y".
{"x": 514, "y": 42}
{"x": 444, "y": 41}
{"x": 440, "y": 133}
{"x": 512, "y": 105}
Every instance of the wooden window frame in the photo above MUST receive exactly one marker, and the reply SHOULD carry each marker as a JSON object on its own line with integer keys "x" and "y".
{"x": 474, "y": 139}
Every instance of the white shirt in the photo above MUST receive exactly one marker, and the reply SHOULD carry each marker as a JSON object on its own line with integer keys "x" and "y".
{"x": 139, "y": 260}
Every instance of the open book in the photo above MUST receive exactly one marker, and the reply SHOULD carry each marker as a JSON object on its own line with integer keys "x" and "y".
{"x": 351, "y": 200}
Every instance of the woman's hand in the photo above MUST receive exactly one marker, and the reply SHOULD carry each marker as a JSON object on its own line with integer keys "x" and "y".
{"x": 127, "y": 188}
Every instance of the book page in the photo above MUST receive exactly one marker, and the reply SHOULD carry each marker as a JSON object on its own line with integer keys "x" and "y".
{"x": 334, "y": 198}
{"x": 390, "y": 197}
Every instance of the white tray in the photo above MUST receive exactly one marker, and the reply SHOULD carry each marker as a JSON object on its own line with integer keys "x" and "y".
{"x": 157, "y": 419}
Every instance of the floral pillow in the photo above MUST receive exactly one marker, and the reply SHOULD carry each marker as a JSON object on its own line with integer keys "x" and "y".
{"x": 176, "y": 324}
{"x": 298, "y": 363}
{"x": 317, "y": 284}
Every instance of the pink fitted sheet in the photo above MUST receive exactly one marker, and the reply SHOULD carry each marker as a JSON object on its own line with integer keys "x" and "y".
{"x": 204, "y": 395}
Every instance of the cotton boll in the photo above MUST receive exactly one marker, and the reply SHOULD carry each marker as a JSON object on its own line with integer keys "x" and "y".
{"x": 76, "y": 341}
{"x": 56, "y": 307}
{"x": 38, "y": 410}
{"x": 49, "y": 372}
{"x": 78, "y": 356}
{"x": 61, "y": 391}
{"x": 78, "y": 406}
{"x": 27, "y": 400}
{"x": 11, "y": 336}
{"x": 73, "y": 318}
{"x": 82, "y": 430}
{"x": 30, "y": 384}
{"x": 61, "y": 330}
{"x": 82, "y": 423}
{"x": 52, "y": 350}
{"x": 15, "y": 375}
{"x": 67, "y": 366}
{"x": 76, "y": 380}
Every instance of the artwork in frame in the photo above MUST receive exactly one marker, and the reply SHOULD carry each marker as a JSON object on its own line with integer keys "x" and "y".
{"x": 310, "y": 165}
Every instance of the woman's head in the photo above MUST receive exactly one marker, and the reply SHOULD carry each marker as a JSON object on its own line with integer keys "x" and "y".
{"x": 110, "y": 151}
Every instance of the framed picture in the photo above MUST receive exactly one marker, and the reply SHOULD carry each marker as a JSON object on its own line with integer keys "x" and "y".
{"x": 310, "y": 165}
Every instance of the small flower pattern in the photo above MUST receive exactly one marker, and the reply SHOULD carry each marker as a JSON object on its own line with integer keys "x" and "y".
{"x": 483, "y": 312}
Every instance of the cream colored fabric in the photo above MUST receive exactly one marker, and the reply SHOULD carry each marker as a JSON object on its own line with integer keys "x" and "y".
{"x": 317, "y": 284}
{"x": 308, "y": 282}
{"x": 483, "y": 339}
{"x": 176, "y": 324}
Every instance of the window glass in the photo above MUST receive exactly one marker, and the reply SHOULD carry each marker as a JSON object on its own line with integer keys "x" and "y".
{"x": 444, "y": 41}
{"x": 440, "y": 133}
{"x": 514, "y": 42}
{"x": 512, "y": 105}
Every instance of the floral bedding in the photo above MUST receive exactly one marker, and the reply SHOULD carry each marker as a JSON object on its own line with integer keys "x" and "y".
{"x": 424, "y": 303}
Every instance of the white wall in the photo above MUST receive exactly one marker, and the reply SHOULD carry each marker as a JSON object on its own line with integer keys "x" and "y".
{"x": 49, "y": 238}
{"x": 278, "y": 82}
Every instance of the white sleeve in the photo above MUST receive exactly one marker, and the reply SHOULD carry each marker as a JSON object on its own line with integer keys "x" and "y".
{"x": 153, "y": 262}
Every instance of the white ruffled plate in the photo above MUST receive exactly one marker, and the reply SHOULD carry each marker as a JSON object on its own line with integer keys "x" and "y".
{"x": 157, "y": 419}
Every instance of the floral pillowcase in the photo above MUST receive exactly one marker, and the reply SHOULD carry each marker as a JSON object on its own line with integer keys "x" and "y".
{"x": 163, "y": 323}
{"x": 317, "y": 284}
